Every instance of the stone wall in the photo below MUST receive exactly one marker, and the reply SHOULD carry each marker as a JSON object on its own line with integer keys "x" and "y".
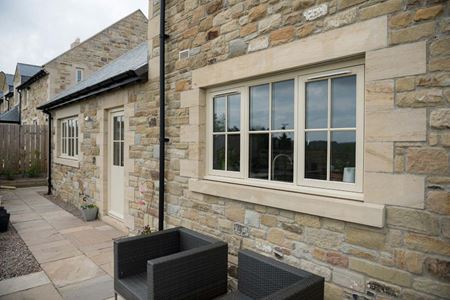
{"x": 87, "y": 178}
{"x": 36, "y": 94}
{"x": 407, "y": 136}
{"x": 90, "y": 55}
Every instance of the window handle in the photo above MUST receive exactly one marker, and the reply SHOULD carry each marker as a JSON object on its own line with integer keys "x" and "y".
{"x": 330, "y": 74}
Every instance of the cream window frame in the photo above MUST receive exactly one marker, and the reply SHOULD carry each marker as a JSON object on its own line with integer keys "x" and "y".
{"x": 299, "y": 184}
{"x": 81, "y": 72}
{"x": 65, "y": 137}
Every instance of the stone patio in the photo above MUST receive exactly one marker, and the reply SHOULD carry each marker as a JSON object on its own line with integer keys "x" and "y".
{"x": 76, "y": 256}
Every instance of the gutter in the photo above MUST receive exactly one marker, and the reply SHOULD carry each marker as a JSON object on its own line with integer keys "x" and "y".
{"x": 32, "y": 79}
{"x": 108, "y": 84}
{"x": 162, "y": 117}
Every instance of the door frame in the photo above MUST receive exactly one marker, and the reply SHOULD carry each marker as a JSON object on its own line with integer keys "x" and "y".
{"x": 111, "y": 114}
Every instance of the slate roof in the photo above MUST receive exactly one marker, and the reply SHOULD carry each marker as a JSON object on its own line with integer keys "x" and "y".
{"x": 26, "y": 71}
{"x": 11, "y": 116}
{"x": 10, "y": 82}
{"x": 130, "y": 67}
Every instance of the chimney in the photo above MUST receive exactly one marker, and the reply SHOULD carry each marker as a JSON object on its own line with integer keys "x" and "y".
{"x": 76, "y": 43}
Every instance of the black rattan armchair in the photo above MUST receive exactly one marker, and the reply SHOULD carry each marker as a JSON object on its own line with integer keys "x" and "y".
{"x": 176, "y": 263}
{"x": 260, "y": 277}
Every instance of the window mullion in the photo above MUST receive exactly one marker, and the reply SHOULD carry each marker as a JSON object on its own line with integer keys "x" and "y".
{"x": 270, "y": 134}
{"x": 226, "y": 133}
{"x": 328, "y": 130}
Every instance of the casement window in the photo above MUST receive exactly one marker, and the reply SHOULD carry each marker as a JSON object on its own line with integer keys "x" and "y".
{"x": 296, "y": 131}
{"x": 69, "y": 138}
{"x": 79, "y": 74}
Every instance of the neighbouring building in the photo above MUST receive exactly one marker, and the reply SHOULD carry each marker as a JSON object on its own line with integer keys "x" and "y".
{"x": 318, "y": 131}
{"x": 91, "y": 134}
{"x": 6, "y": 90}
{"x": 79, "y": 63}
{"x": 23, "y": 73}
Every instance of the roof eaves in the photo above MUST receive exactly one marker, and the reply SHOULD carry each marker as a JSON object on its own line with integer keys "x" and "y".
{"x": 121, "y": 79}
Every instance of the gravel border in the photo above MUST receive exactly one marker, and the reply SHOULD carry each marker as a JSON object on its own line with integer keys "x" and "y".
{"x": 15, "y": 257}
{"x": 69, "y": 207}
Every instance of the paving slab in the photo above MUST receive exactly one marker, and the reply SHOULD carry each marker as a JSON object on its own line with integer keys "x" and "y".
{"x": 43, "y": 292}
{"x": 71, "y": 270}
{"x": 20, "y": 283}
{"x": 25, "y": 217}
{"x": 95, "y": 289}
{"x": 40, "y": 236}
{"x": 76, "y": 256}
{"x": 57, "y": 250}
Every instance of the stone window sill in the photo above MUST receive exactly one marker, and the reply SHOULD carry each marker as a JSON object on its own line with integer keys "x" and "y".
{"x": 324, "y": 206}
{"x": 67, "y": 162}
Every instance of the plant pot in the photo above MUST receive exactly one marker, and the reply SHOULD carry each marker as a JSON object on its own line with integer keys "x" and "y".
{"x": 4, "y": 221}
{"x": 90, "y": 213}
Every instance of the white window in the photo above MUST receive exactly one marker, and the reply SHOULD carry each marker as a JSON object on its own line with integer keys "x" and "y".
{"x": 69, "y": 138}
{"x": 79, "y": 74}
{"x": 296, "y": 131}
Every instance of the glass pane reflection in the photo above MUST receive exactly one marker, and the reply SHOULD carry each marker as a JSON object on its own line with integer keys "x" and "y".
{"x": 282, "y": 156}
{"x": 342, "y": 165}
{"x": 233, "y": 152}
{"x": 259, "y": 156}
{"x": 316, "y": 155}
{"x": 219, "y": 104}
{"x": 219, "y": 152}
{"x": 343, "y": 102}
{"x": 317, "y": 104}
{"x": 283, "y": 105}
{"x": 259, "y": 107}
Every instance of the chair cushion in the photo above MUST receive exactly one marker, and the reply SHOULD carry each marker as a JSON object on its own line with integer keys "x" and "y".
{"x": 236, "y": 295}
{"x": 133, "y": 287}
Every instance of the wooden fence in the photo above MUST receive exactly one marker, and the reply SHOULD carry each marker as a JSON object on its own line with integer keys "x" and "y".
{"x": 23, "y": 150}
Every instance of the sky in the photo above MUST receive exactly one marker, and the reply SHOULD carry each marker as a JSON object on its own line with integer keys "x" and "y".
{"x": 36, "y": 31}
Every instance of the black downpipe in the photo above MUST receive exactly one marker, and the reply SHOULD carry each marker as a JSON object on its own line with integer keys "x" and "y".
{"x": 20, "y": 106}
{"x": 162, "y": 114}
{"x": 49, "y": 160}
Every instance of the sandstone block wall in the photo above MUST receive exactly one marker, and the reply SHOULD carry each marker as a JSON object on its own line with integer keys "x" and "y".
{"x": 90, "y": 55}
{"x": 406, "y": 139}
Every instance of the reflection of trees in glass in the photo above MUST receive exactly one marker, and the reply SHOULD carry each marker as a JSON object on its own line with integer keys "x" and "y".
{"x": 342, "y": 156}
{"x": 219, "y": 122}
{"x": 316, "y": 160}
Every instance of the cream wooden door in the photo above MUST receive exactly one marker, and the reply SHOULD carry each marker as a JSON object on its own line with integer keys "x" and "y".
{"x": 116, "y": 162}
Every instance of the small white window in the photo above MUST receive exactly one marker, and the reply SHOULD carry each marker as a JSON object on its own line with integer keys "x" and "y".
{"x": 300, "y": 131}
{"x": 79, "y": 74}
{"x": 69, "y": 138}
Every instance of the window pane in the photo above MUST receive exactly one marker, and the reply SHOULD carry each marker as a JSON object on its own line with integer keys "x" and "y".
{"x": 283, "y": 156}
{"x": 316, "y": 155}
{"x": 122, "y": 135}
{"x": 76, "y": 146}
{"x": 121, "y": 153}
{"x": 219, "y": 106}
{"x": 64, "y": 130}
{"x": 70, "y": 147}
{"x": 283, "y": 105}
{"x": 259, "y": 107}
{"x": 233, "y": 152}
{"x": 234, "y": 112}
{"x": 116, "y": 153}
{"x": 76, "y": 128}
{"x": 219, "y": 152}
{"x": 342, "y": 166}
{"x": 317, "y": 104}
{"x": 259, "y": 156}
{"x": 116, "y": 128}
{"x": 343, "y": 102}
{"x": 64, "y": 145}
